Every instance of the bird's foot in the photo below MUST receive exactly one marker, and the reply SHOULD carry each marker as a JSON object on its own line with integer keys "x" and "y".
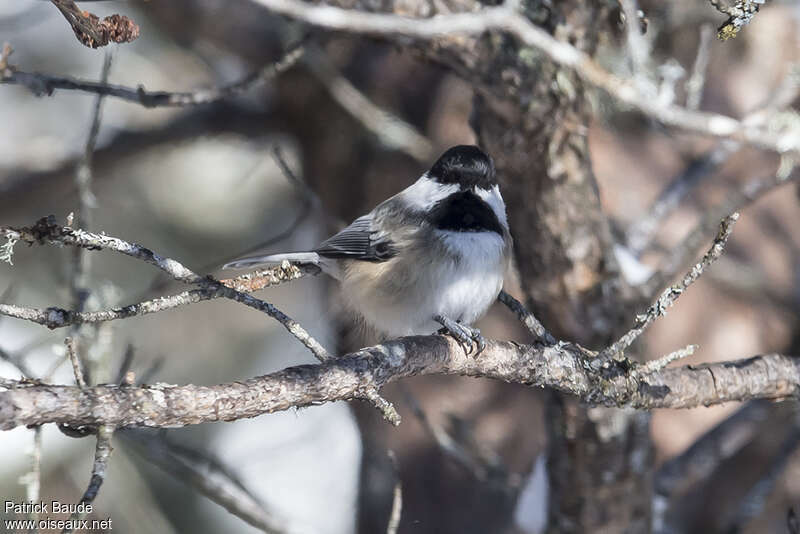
{"x": 467, "y": 336}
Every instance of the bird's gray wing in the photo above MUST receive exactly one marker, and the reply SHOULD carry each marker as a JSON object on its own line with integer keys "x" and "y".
{"x": 359, "y": 241}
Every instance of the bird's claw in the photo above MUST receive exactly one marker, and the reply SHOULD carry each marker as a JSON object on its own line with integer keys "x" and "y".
{"x": 467, "y": 336}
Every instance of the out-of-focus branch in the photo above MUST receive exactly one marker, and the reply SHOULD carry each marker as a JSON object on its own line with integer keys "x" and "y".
{"x": 507, "y": 18}
{"x": 752, "y": 505}
{"x": 397, "y": 498}
{"x": 390, "y": 130}
{"x": 205, "y": 474}
{"x": 502, "y": 18}
{"x": 702, "y": 458}
{"x": 86, "y": 198}
{"x": 638, "y": 237}
{"x": 101, "y": 455}
{"x": 93, "y": 32}
{"x": 697, "y": 80}
{"x": 692, "y": 243}
{"x": 44, "y": 84}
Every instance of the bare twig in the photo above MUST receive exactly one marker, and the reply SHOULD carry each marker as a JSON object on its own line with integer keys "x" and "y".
{"x": 44, "y": 84}
{"x": 659, "y": 363}
{"x": 76, "y": 362}
{"x": 527, "y": 318}
{"x": 86, "y": 199}
{"x": 671, "y": 294}
{"x": 102, "y": 453}
{"x": 207, "y": 475}
{"x": 47, "y": 231}
{"x": 124, "y": 368}
{"x": 17, "y": 361}
{"x": 93, "y": 32}
{"x": 79, "y": 279}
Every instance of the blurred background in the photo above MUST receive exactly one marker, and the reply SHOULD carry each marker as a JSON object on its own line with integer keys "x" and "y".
{"x": 356, "y": 120}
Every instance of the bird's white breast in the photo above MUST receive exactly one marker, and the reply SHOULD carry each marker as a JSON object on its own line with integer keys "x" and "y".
{"x": 459, "y": 278}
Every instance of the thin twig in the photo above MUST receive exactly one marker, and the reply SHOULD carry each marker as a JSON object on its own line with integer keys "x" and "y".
{"x": 44, "y": 84}
{"x": 671, "y": 294}
{"x": 77, "y": 369}
{"x": 47, "y": 231}
{"x": 102, "y": 453}
{"x": 659, "y": 363}
{"x": 79, "y": 279}
{"x": 527, "y": 318}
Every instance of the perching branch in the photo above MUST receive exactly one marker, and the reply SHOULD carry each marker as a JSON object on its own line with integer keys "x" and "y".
{"x": 354, "y": 375}
{"x": 360, "y": 375}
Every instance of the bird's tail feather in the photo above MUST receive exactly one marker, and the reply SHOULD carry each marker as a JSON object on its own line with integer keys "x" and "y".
{"x": 255, "y": 261}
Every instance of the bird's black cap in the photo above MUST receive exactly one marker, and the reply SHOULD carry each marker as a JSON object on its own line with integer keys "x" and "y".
{"x": 465, "y": 165}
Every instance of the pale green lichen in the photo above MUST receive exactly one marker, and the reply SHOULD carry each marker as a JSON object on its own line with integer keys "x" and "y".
{"x": 7, "y": 249}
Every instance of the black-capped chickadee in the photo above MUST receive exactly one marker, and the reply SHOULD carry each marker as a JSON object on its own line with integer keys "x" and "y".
{"x": 436, "y": 252}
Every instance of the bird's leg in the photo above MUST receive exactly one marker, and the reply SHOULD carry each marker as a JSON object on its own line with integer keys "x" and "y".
{"x": 467, "y": 336}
